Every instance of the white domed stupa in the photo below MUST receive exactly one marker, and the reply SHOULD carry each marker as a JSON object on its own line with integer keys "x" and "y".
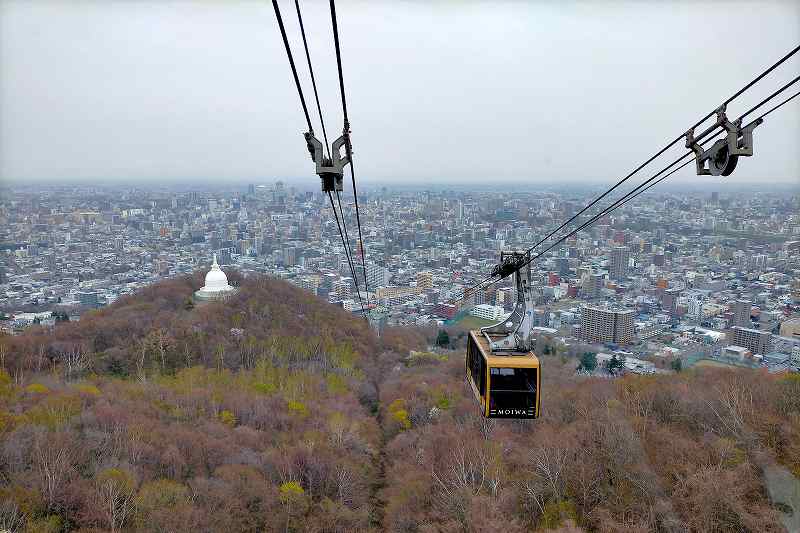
{"x": 216, "y": 287}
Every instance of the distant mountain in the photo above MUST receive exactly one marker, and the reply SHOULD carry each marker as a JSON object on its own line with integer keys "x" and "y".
{"x": 275, "y": 411}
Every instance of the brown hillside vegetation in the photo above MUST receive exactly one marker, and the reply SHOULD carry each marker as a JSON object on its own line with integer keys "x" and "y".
{"x": 275, "y": 411}
{"x": 667, "y": 453}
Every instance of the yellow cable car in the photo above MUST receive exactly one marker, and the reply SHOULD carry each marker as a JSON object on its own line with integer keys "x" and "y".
{"x": 505, "y": 386}
{"x": 502, "y": 371}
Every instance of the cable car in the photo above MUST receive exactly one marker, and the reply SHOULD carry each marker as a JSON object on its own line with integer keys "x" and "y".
{"x": 501, "y": 368}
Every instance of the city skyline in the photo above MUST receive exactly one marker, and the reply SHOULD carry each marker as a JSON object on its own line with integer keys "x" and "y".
{"x": 483, "y": 308}
{"x": 699, "y": 265}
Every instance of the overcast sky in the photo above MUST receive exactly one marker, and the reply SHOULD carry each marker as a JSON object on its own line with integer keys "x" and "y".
{"x": 458, "y": 92}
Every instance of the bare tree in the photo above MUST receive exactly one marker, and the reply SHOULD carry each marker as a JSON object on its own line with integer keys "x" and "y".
{"x": 547, "y": 482}
{"x": 75, "y": 361}
{"x": 53, "y": 462}
{"x": 11, "y": 519}
{"x": 734, "y": 402}
{"x": 469, "y": 472}
{"x": 3, "y": 354}
{"x": 115, "y": 490}
{"x": 40, "y": 353}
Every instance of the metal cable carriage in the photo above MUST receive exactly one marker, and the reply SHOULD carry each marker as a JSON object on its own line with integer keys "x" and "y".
{"x": 501, "y": 368}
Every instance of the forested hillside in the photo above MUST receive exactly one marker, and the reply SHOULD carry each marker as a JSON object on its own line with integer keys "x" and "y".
{"x": 275, "y": 411}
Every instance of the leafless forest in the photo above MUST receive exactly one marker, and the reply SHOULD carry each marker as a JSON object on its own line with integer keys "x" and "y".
{"x": 274, "y": 411}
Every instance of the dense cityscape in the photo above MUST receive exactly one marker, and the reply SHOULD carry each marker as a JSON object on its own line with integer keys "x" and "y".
{"x": 709, "y": 278}
{"x": 399, "y": 267}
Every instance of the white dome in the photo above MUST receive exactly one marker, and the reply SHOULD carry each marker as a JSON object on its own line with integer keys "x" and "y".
{"x": 216, "y": 287}
{"x": 216, "y": 280}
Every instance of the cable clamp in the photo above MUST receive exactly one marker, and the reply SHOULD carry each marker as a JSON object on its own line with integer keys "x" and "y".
{"x": 348, "y": 145}
{"x": 330, "y": 170}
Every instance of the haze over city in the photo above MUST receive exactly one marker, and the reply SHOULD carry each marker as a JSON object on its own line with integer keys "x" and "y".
{"x": 453, "y": 92}
{"x": 496, "y": 314}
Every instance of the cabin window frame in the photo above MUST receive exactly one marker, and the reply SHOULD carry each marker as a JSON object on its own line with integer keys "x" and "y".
{"x": 532, "y": 378}
{"x": 531, "y": 396}
{"x": 477, "y": 365}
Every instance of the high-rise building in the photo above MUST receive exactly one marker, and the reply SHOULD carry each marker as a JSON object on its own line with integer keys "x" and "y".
{"x": 425, "y": 280}
{"x": 669, "y": 300}
{"x": 377, "y": 275}
{"x": 599, "y": 324}
{"x": 755, "y": 340}
{"x": 757, "y": 262}
{"x": 696, "y": 307}
{"x": 505, "y": 297}
{"x": 289, "y": 256}
{"x": 224, "y": 256}
{"x": 328, "y": 280}
{"x": 593, "y": 285}
{"x": 342, "y": 289}
{"x": 620, "y": 256}
{"x": 741, "y": 313}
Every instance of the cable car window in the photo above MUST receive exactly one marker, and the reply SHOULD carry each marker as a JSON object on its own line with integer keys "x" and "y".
{"x": 513, "y": 379}
{"x": 477, "y": 366}
{"x": 513, "y": 392}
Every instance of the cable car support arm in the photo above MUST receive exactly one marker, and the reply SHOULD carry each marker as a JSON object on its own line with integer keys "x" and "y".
{"x": 513, "y": 333}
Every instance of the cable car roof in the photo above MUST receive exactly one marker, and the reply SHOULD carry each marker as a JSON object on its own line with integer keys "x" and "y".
{"x": 510, "y": 359}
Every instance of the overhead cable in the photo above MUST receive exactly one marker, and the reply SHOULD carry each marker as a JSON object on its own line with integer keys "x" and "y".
{"x": 311, "y": 71}
{"x": 291, "y": 63}
{"x": 346, "y": 249}
{"x": 346, "y": 234}
{"x": 795, "y": 95}
{"x": 618, "y": 203}
{"x": 668, "y": 146}
{"x": 639, "y": 190}
{"x": 770, "y": 97}
{"x": 348, "y": 144}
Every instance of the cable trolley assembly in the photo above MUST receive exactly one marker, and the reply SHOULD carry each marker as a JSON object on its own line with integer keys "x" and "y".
{"x": 329, "y": 169}
{"x": 721, "y": 158}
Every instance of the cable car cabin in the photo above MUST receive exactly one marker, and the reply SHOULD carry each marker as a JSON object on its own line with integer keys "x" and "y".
{"x": 501, "y": 368}
{"x": 505, "y": 386}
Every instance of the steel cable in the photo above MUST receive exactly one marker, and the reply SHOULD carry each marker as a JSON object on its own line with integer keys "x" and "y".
{"x": 313, "y": 79}
{"x": 639, "y": 190}
{"x": 291, "y": 63}
{"x": 668, "y": 146}
{"x": 770, "y": 97}
{"x": 348, "y": 144}
{"x": 346, "y": 234}
{"x": 346, "y": 250}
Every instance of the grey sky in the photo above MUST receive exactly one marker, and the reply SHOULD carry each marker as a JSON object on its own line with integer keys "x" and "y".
{"x": 451, "y": 91}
